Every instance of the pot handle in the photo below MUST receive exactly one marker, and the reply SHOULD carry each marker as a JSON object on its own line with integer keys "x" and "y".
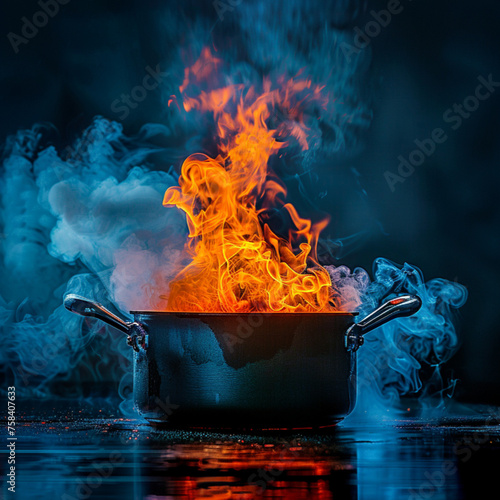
{"x": 137, "y": 336}
{"x": 404, "y": 305}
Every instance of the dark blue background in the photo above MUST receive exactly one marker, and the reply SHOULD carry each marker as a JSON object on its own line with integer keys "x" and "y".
{"x": 444, "y": 218}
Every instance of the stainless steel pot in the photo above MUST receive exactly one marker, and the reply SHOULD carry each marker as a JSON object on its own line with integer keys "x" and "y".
{"x": 248, "y": 371}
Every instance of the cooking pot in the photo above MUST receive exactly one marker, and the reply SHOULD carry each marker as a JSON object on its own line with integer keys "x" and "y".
{"x": 250, "y": 371}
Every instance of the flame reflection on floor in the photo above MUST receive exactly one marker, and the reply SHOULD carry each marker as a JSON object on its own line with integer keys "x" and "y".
{"x": 73, "y": 454}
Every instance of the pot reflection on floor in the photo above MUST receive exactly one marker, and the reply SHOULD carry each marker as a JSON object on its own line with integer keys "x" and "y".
{"x": 283, "y": 470}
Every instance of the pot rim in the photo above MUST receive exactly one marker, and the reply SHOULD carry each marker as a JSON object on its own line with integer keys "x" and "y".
{"x": 236, "y": 314}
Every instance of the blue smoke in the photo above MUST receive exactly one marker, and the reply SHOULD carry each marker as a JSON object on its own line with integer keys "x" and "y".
{"x": 393, "y": 358}
{"x": 65, "y": 218}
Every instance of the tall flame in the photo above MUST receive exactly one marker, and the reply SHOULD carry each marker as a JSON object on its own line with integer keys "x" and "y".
{"x": 238, "y": 263}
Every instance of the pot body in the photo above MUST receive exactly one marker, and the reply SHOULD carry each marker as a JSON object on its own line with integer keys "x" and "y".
{"x": 248, "y": 371}
{"x": 245, "y": 371}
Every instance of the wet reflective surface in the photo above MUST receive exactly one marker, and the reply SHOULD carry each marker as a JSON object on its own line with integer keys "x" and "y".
{"x": 77, "y": 455}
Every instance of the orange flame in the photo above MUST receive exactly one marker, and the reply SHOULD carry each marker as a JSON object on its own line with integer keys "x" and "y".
{"x": 238, "y": 263}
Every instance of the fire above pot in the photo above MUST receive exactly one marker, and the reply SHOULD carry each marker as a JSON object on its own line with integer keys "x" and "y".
{"x": 250, "y": 371}
{"x": 237, "y": 261}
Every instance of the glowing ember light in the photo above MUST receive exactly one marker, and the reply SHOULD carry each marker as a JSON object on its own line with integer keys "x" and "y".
{"x": 238, "y": 263}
